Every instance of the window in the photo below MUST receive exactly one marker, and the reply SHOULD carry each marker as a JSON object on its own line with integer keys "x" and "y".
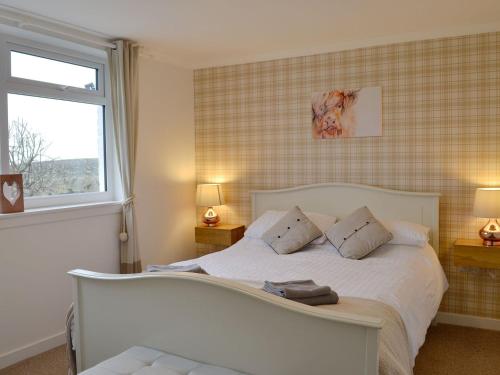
{"x": 57, "y": 145}
{"x": 52, "y": 71}
{"x": 53, "y": 126}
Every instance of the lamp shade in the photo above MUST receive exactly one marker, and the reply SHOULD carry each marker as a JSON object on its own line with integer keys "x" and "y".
{"x": 487, "y": 203}
{"x": 209, "y": 195}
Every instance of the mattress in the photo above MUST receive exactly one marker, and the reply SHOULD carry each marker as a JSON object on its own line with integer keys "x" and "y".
{"x": 139, "y": 360}
{"x": 410, "y": 279}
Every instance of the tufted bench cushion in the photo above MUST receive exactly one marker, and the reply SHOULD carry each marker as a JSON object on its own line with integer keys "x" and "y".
{"x": 139, "y": 360}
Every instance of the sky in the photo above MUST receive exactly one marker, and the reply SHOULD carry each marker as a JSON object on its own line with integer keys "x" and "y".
{"x": 72, "y": 130}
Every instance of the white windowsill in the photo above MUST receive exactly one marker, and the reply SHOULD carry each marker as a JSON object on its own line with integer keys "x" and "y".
{"x": 36, "y": 216}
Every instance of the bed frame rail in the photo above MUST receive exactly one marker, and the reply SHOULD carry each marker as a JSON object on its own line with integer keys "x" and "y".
{"x": 219, "y": 322}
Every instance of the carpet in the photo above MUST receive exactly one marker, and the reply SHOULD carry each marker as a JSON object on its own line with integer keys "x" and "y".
{"x": 448, "y": 350}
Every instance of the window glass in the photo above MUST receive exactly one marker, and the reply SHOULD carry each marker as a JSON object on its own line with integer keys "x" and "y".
{"x": 41, "y": 69}
{"x": 57, "y": 145}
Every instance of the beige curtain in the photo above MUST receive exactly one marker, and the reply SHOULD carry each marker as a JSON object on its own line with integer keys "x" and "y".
{"x": 123, "y": 66}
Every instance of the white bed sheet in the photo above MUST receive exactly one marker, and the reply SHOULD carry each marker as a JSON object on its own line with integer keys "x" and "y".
{"x": 408, "y": 278}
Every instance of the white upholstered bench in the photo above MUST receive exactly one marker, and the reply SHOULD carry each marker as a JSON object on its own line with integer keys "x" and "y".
{"x": 139, "y": 360}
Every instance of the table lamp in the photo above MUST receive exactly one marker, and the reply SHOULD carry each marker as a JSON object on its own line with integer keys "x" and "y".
{"x": 209, "y": 195}
{"x": 487, "y": 205}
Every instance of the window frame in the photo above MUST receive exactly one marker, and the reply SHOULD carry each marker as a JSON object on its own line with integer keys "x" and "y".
{"x": 99, "y": 67}
{"x": 23, "y": 86}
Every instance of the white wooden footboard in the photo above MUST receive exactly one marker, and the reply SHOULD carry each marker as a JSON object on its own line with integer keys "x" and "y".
{"x": 219, "y": 322}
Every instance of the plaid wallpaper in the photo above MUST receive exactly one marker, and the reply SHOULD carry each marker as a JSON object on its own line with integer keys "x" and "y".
{"x": 441, "y": 133}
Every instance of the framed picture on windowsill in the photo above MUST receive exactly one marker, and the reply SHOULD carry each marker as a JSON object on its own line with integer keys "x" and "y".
{"x": 11, "y": 194}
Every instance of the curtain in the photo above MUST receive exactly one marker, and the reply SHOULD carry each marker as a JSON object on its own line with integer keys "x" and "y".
{"x": 123, "y": 67}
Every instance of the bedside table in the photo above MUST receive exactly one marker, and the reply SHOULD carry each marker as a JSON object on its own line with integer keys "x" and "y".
{"x": 224, "y": 234}
{"x": 472, "y": 253}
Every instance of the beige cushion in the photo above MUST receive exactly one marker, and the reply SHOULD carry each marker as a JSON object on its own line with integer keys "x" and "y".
{"x": 292, "y": 232}
{"x": 358, "y": 235}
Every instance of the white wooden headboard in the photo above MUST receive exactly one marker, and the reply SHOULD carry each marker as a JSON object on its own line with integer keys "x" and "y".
{"x": 340, "y": 199}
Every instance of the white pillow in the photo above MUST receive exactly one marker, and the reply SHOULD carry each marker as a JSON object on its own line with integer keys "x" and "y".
{"x": 271, "y": 217}
{"x": 406, "y": 233}
{"x": 323, "y": 222}
{"x": 263, "y": 223}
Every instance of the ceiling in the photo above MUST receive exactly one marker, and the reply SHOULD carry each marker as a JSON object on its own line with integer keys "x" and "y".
{"x": 201, "y": 33}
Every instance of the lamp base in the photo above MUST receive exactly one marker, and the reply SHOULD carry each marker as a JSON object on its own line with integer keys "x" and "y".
{"x": 490, "y": 233}
{"x": 210, "y": 218}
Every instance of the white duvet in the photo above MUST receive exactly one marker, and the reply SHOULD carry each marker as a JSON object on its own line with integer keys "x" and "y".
{"x": 408, "y": 278}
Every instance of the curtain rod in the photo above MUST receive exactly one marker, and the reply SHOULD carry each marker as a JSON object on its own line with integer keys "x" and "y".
{"x": 26, "y": 21}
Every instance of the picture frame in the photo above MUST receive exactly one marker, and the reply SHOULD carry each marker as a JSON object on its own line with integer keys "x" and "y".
{"x": 347, "y": 113}
{"x": 11, "y": 193}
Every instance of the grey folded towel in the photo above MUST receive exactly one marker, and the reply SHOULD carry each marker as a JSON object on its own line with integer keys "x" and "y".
{"x": 329, "y": 299}
{"x": 296, "y": 289}
{"x": 195, "y": 268}
{"x": 302, "y": 291}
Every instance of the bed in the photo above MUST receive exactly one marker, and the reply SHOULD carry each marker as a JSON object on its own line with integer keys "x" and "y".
{"x": 225, "y": 320}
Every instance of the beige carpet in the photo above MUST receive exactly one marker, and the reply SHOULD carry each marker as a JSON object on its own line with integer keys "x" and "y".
{"x": 52, "y": 362}
{"x": 448, "y": 350}
{"x": 452, "y": 350}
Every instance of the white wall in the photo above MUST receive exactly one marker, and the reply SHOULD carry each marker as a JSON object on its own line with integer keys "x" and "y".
{"x": 165, "y": 180}
{"x": 35, "y": 291}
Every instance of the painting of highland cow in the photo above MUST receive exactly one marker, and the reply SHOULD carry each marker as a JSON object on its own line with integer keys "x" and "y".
{"x": 347, "y": 113}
